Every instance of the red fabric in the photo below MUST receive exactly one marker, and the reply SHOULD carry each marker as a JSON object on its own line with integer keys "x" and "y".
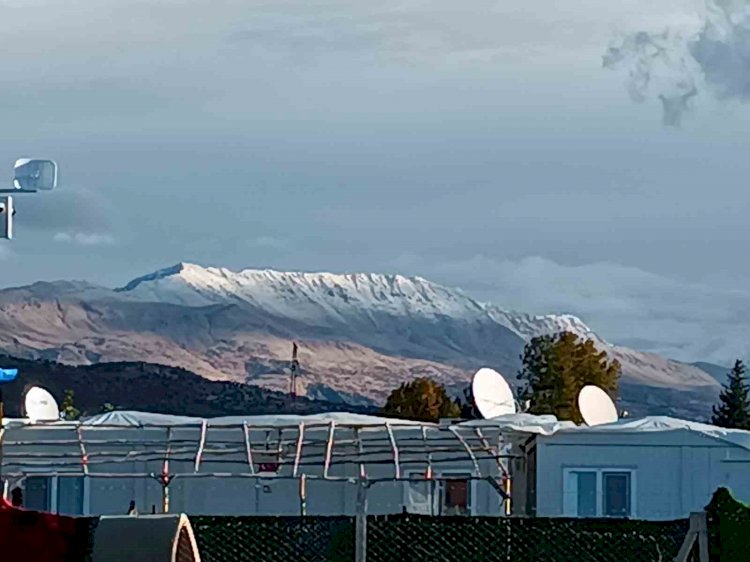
{"x": 37, "y": 537}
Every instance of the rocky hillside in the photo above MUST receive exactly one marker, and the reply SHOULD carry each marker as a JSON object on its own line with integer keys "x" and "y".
{"x": 151, "y": 388}
{"x": 360, "y": 335}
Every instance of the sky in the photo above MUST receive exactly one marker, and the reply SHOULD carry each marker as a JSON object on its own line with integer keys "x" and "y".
{"x": 580, "y": 157}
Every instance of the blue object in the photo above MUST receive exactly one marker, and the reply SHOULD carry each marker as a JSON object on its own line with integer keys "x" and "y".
{"x": 7, "y": 375}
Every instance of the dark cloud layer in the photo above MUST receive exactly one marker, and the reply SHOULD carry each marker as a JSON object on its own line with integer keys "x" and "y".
{"x": 714, "y": 60}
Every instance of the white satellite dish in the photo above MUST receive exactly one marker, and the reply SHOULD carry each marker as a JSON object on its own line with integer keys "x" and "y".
{"x": 40, "y": 405}
{"x": 596, "y": 406}
{"x": 492, "y": 394}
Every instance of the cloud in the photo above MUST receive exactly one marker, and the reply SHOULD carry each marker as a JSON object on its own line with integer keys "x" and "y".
{"x": 625, "y": 305}
{"x": 73, "y": 216}
{"x": 714, "y": 60}
{"x": 84, "y": 238}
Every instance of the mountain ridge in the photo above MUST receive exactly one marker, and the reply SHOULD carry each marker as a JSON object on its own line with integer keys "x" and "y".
{"x": 360, "y": 334}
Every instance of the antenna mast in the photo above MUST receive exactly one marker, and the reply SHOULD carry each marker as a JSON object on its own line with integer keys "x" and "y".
{"x": 293, "y": 369}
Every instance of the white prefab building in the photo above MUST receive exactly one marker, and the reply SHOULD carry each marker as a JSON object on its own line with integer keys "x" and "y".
{"x": 656, "y": 468}
{"x": 265, "y": 465}
{"x": 339, "y": 464}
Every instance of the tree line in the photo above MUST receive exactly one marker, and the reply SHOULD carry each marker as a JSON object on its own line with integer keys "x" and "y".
{"x": 554, "y": 368}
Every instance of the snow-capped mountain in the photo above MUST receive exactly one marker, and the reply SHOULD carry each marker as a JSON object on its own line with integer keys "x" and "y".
{"x": 360, "y": 335}
{"x": 305, "y": 296}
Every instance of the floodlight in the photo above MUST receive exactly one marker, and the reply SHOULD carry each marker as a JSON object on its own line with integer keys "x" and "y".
{"x": 35, "y": 175}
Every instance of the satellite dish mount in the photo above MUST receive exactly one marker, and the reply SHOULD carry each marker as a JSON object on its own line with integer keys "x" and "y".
{"x": 30, "y": 176}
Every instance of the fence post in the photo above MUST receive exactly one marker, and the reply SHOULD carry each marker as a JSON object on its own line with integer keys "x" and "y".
{"x": 698, "y": 532}
{"x": 360, "y": 528}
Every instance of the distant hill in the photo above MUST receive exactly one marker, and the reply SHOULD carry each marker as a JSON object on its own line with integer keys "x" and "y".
{"x": 718, "y": 372}
{"x": 151, "y": 388}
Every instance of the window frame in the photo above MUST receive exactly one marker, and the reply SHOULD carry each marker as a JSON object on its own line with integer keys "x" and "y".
{"x": 433, "y": 499}
{"x": 470, "y": 489}
{"x": 53, "y": 491}
{"x": 570, "y": 500}
{"x": 438, "y": 490}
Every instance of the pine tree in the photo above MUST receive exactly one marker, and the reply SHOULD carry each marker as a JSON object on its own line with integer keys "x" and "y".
{"x": 422, "y": 399}
{"x": 555, "y": 369}
{"x": 69, "y": 410}
{"x": 467, "y": 406}
{"x": 733, "y": 410}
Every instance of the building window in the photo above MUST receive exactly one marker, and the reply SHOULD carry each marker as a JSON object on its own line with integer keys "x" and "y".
{"x": 57, "y": 494}
{"x": 447, "y": 494}
{"x": 594, "y": 492}
{"x": 455, "y": 494}
{"x": 419, "y": 493}
{"x": 38, "y": 493}
{"x": 69, "y": 495}
{"x": 616, "y": 486}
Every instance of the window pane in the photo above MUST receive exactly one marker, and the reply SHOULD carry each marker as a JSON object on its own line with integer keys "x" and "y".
{"x": 70, "y": 495}
{"x": 616, "y": 494}
{"x": 420, "y": 495}
{"x": 586, "y": 494}
{"x": 456, "y": 496}
{"x": 36, "y": 494}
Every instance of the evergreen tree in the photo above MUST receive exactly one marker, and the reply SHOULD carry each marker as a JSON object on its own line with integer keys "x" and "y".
{"x": 555, "y": 369}
{"x": 466, "y": 405}
{"x": 69, "y": 411}
{"x": 733, "y": 410}
{"x": 422, "y": 399}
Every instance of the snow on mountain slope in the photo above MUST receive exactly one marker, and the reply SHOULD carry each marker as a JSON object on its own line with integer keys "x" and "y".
{"x": 305, "y": 296}
{"x": 528, "y": 326}
{"x": 302, "y": 295}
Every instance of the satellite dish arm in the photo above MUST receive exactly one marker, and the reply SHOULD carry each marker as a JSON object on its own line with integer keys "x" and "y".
{"x": 6, "y": 217}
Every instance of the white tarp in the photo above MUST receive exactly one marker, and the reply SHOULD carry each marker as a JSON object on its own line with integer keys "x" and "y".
{"x": 737, "y": 437}
{"x": 140, "y": 419}
{"x": 522, "y": 424}
{"x": 515, "y": 425}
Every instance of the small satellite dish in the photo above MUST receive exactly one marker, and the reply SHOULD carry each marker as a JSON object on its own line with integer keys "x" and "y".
{"x": 492, "y": 394}
{"x": 596, "y": 406}
{"x": 40, "y": 405}
{"x": 33, "y": 175}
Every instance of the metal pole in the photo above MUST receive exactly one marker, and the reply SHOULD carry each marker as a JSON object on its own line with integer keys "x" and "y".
{"x": 166, "y": 478}
{"x": 360, "y": 536}
{"x": 360, "y": 527}
{"x": 302, "y": 495}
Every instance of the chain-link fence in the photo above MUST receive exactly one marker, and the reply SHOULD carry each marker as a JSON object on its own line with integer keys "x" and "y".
{"x": 407, "y": 538}
{"x": 458, "y": 539}
{"x": 271, "y": 539}
{"x": 436, "y": 539}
